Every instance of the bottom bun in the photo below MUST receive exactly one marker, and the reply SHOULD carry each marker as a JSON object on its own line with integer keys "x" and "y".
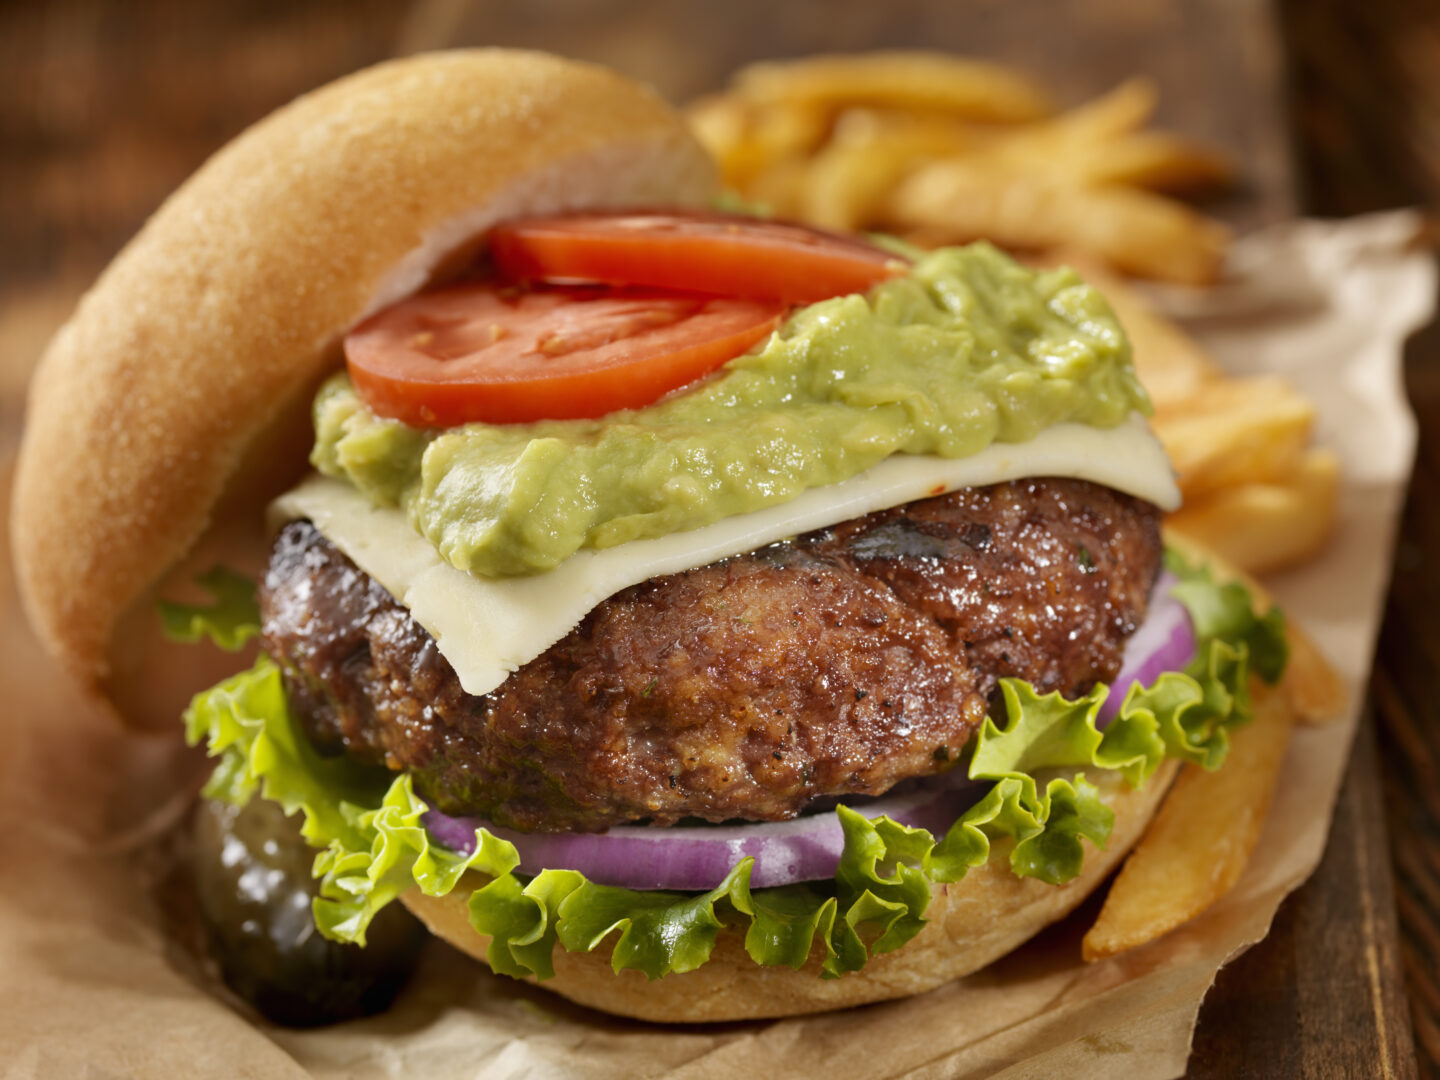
{"x": 971, "y": 923}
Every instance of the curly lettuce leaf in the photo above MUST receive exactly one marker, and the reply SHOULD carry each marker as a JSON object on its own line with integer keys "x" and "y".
{"x": 786, "y": 920}
{"x": 1047, "y": 825}
{"x": 374, "y": 846}
{"x": 659, "y": 932}
{"x": 521, "y": 919}
{"x": 231, "y": 621}
{"x": 1226, "y": 613}
{"x": 1051, "y": 731}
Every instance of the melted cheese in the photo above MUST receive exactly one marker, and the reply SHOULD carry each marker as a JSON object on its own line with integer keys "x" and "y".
{"x": 488, "y": 627}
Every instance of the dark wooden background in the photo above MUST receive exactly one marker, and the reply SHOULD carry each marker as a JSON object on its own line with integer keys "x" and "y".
{"x": 1333, "y": 106}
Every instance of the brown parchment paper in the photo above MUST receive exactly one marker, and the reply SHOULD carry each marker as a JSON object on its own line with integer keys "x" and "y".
{"x": 90, "y": 983}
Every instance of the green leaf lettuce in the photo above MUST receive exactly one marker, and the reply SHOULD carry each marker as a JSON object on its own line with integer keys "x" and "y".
{"x": 232, "y": 620}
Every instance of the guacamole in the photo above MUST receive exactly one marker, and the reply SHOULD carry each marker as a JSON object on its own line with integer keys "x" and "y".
{"x": 968, "y": 349}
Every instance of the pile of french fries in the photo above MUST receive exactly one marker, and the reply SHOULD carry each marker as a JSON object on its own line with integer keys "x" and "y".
{"x": 942, "y": 150}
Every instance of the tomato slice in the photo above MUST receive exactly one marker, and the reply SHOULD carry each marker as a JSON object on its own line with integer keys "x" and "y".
{"x": 720, "y": 254}
{"x": 480, "y": 352}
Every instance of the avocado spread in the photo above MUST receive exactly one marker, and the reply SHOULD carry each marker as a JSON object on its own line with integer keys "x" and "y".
{"x": 968, "y": 349}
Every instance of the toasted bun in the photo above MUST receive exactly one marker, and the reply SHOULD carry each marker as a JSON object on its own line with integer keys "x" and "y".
{"x": 971, "y": 923}
{"x": 183, "y": 378}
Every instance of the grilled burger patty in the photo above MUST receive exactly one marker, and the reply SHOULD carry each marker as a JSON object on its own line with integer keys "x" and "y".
{"x": 840, "y": 662}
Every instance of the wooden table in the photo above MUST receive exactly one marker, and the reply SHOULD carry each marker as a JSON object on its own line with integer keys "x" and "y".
{"x": 105, "y": 106}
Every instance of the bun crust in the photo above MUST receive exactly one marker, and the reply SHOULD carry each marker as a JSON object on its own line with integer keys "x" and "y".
{"x": 213, "y": 326}
{"x": 972, "y": 923}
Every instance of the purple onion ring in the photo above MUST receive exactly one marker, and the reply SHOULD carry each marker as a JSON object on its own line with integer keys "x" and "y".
{"x": 697, "y": 857}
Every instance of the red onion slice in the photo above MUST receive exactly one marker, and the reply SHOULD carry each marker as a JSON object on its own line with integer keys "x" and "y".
{"x": 1164, "y": 642}
{"x": 697, "y": 858}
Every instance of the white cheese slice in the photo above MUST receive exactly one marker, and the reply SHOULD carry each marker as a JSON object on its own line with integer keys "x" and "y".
{"x": 488, "y": 627}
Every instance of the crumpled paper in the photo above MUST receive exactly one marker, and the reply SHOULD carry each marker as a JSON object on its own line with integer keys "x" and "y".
{"x": 92, "y": 983}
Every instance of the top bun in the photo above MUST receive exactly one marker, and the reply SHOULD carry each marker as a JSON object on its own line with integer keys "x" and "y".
{"x": 178, "y": 391}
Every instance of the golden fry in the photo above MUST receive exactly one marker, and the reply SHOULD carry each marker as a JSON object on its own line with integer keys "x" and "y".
{"x": 1235, "y": 431}
{"x": 916, "y": 135}
{"x": 1314, "y": 688}
{"x": 780, "y": 187}
{"x": 846, "y": 182}
{"x": 1134, "y": 230}
{"x": 748, "y": 142}
{"x": 721, "y": 123}
{"x": 1047, "y": 152}
{"x": 1154, "y": 160}
{"x": 1096, "y": 143}
{"x": 789, "y": 130}
{"x": 1050, "y": 147}
{"x": 973, "y": 89}
{"x": 1122, "y": 110}
{"x": 1202, "y": 837}
{"x": 869, "y": 151}
{"x": 1268, "y": 525}
{"x": 1316, "y": 692}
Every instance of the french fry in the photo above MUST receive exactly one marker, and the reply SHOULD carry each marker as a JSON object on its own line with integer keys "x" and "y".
{"x": 722, "y": 124}
{"x": 1316, "y": 691}
{"x": 1153, "y": 160}
{"x": 1124, "y": 109}
{"x": 903, "y": 79}
{"x": 869, "y": 151}
{"x": 1314, "y": 688}
{"x": 1050, "y": 147}
{"x": 781, "y": 140}
{"x": 1235, "y": 431}
{"x": 845, "y": 182}
{"x": 748, "y": 142}
{"x": 780, "y": 187}
{"x": 1202, "y": 837}
{"x": 788, "y": 130}
{"x": 1134, "y": 230}
{"x": 1099, "y": 144}
{"x": 914, "y": 134}
{"x": 1265, "y": 526}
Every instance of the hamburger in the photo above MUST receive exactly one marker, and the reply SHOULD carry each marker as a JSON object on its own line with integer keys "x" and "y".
{"x": 709, "y": 618}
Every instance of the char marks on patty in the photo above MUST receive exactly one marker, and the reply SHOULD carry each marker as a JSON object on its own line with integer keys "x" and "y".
{"x": 841, "y": 662}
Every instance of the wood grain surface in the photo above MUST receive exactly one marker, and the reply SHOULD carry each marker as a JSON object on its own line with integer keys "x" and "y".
{"x": 1366, "y": 104}
{"x": 105, "y": 105}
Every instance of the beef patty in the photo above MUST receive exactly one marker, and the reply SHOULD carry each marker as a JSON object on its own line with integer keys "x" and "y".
{"x": 840, "y": 662}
